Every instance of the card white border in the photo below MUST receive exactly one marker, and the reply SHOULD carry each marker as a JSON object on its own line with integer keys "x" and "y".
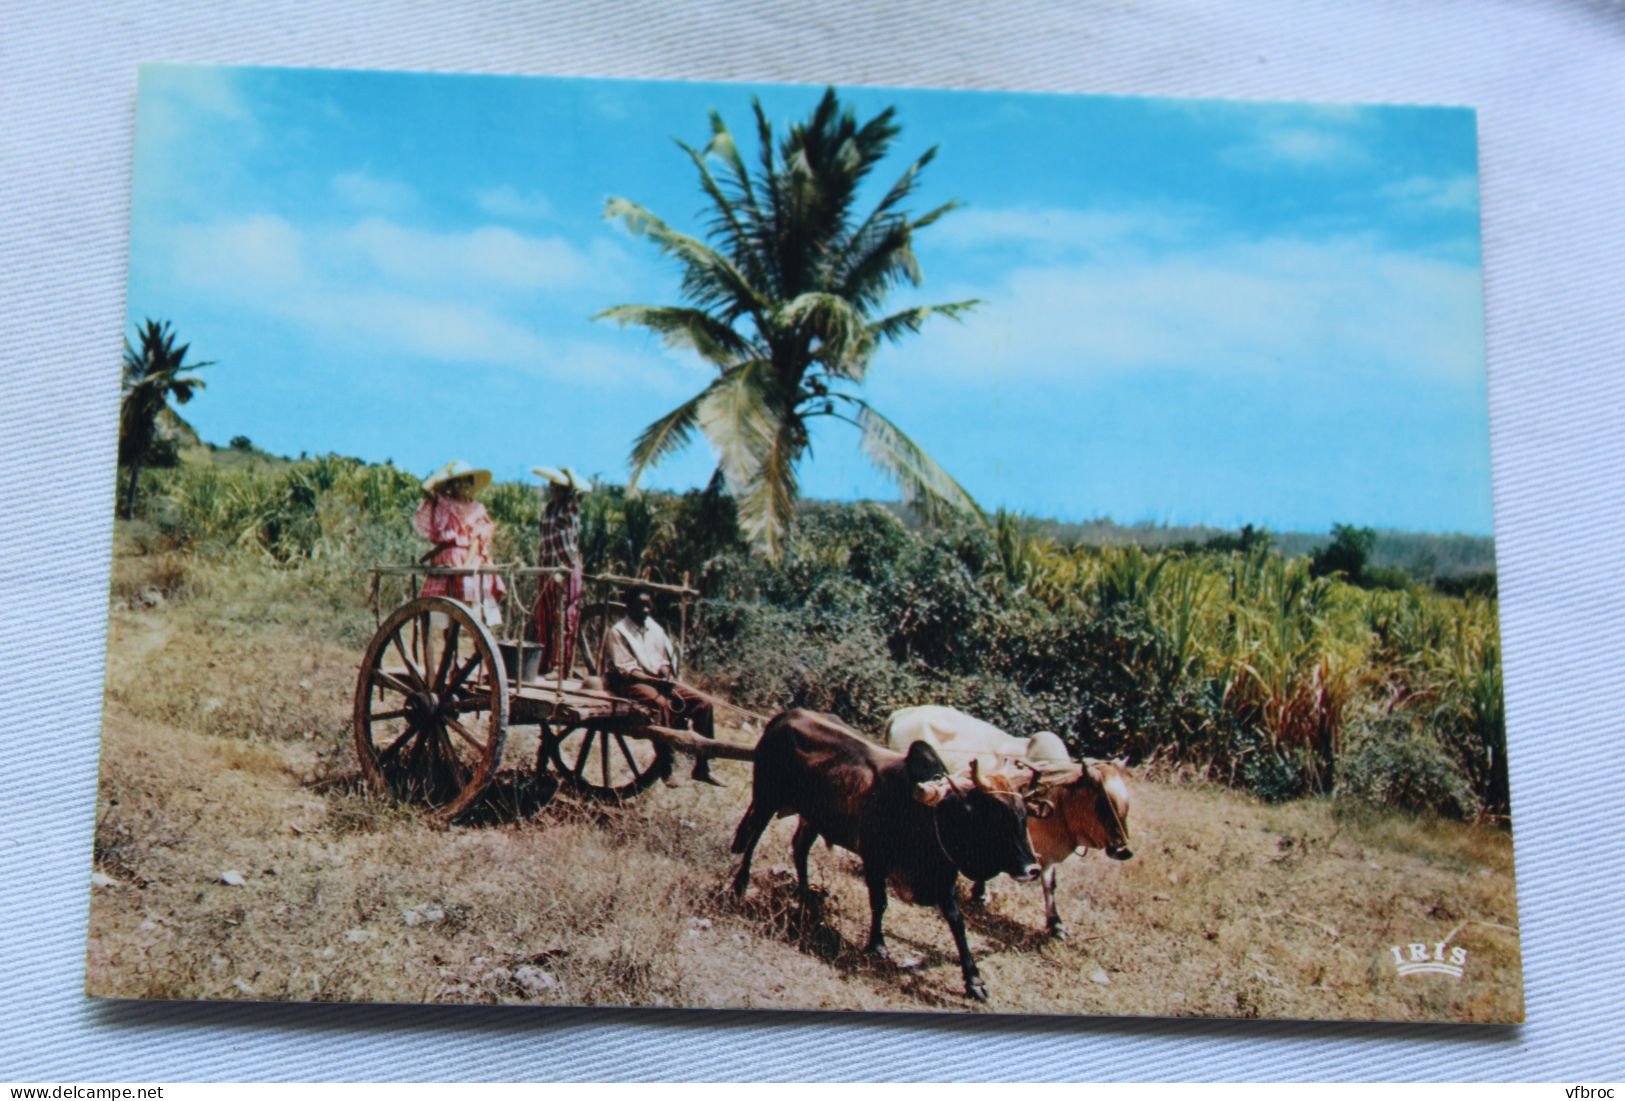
{"x": 1547, "y": 82}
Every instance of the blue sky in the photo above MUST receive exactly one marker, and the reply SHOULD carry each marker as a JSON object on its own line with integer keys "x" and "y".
{"x": 1193, "y": 311}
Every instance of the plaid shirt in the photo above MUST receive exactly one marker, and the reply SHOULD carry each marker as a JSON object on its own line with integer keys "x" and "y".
{"x": 561, "y": 534}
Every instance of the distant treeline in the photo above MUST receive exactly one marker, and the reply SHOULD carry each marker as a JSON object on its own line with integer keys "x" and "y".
{"x": 1423, "y": 555}
{"x": 1452, "y": 562}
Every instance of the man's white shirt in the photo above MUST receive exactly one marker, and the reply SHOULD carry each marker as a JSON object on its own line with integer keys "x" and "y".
{"x": 647, "y": 649}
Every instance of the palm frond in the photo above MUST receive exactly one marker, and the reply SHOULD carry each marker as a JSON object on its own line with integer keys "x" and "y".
{"x": 726, "y": 222}
{"x": 183, "y": 387}
{"x": 768, "y": 507}
{"x": 844, "y": 343}
{"x": 683, "y": 327}
{"x": 709, "y": 279}
{"x": 895, "y": 326}
{"x": 665, "y": 436}
{"x": 881, "y": 221}
{"x": 932, "y": 215}
{"x": 723, "y": 147}
{"x": 924, "y": 484}
{"x": 757, "y": 449}
{"x": 736, "y": 417}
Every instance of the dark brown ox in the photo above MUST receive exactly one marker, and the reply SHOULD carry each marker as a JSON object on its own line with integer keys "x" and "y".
{"x": 1090, "y": 812}
{"x": 870, "y": 800}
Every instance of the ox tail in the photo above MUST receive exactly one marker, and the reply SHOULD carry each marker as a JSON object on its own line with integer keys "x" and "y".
{"x": 742, "y": 832}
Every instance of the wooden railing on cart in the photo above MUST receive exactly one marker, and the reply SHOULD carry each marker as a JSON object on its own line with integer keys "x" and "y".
{"x": 509, "y": 572}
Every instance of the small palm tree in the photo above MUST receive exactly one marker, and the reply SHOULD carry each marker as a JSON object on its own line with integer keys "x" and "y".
{"x": 150, "y": 377}
{"x": 783, "y": 301}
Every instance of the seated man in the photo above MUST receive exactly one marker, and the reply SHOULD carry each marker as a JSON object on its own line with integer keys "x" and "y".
{"x": 642, "y": 667}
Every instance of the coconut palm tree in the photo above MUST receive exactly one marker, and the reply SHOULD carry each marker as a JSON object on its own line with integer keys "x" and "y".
{"x": 783, "y": 297}
{"x": 151, "y": 376}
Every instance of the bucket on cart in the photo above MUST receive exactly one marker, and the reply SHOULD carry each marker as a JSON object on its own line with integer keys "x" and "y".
{"x": 522, "y": 660}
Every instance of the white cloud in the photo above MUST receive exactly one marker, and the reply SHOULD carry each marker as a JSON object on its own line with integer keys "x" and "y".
{"x": 1453, "y": 193}
{"x": 1327, "y": 308}
{"x": 1298, "y": 146}
{"x": 368, "y": 192}
{"x": 491, "y": 256}
{"x": 462, "y": 299}
{"x": 509, "y": 202}
{"x": 264, "y": 254}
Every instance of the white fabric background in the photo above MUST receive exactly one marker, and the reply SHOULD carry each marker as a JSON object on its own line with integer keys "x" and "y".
{"x": 1547, "y": 80}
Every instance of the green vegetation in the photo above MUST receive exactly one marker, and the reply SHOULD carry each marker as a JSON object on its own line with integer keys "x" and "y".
{"x": 1232, "y": 662}
{"x": 783, "y": 302}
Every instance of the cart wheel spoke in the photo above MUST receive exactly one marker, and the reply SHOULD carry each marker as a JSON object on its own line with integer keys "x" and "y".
{"x": 627, "y": 753}
{"x": 394, "y": 747}
{"x": 603, "y": 758}
{"x": 450, "y": 760}
{"x": 447, "y": 656}
{"x": 391, "y": 682}
{"x": 462, "y": 732}
{"x": 581, "y": 756}
{"x": 462, "y": 673}
{"x": 411, "y": 669}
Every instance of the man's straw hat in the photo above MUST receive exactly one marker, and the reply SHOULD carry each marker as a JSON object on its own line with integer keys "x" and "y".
{"x": 456, "y": 469}
{"x": 561, "y": 476}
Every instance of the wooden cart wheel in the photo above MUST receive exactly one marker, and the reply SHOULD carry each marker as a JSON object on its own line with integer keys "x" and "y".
{"x": 431, "y": 706}
{"x": 600, "y": 761}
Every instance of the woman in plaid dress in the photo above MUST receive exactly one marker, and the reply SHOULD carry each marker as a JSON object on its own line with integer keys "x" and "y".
{"x": 560, "y": 549}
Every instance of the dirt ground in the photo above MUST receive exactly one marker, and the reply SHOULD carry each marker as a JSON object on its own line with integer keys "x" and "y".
{"x": 1229, "y": 907}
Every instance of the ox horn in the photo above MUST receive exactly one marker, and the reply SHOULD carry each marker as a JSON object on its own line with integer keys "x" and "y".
{"x": 976, "y": 775}
{"x": 1034, "y": 785}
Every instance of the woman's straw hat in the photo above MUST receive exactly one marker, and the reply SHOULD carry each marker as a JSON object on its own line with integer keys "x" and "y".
{"x": 456, "y": 469}
{"x": 561, "y": 476}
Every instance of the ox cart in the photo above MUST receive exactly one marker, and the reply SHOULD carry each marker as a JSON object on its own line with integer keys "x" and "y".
{"x": 438, "y": 695}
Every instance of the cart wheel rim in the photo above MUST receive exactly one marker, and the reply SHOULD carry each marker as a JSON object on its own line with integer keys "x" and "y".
{"x": 431, "y": 706}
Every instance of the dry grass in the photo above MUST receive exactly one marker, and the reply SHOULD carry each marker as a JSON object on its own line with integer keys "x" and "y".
{"x": 1229, "y": 908}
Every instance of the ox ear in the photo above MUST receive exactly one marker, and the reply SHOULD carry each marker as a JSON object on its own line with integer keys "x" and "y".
{"x": 923, "y": 764}
{"x": 1120, "y": 762}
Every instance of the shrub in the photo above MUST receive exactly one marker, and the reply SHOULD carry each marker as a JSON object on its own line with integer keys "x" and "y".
{"x": 1482, "y": 584}
{"x": 1397, "y": 763}
{"x": 1346, "y": 554}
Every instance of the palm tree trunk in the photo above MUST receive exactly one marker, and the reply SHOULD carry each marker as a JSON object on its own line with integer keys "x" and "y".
{"x": 129, "y": 494}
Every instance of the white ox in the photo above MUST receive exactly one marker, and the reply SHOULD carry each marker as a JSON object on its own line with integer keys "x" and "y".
{"x": 960, "y": 739}
{"x": 1089, "y": 799}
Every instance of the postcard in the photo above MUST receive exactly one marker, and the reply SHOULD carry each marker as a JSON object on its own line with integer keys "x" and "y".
{"x": 680, "y": 544}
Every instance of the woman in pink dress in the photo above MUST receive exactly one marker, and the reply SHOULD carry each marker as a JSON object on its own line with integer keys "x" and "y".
{"x": 461, "y": 532}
